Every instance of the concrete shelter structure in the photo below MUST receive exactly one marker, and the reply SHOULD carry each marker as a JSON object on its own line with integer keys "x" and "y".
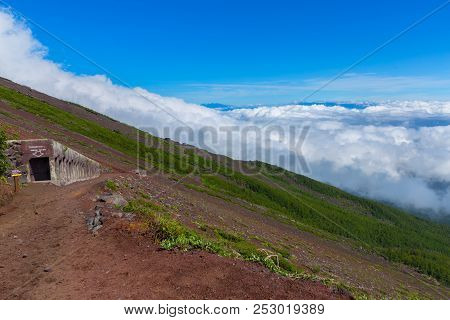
{"x": 41, "y": 160}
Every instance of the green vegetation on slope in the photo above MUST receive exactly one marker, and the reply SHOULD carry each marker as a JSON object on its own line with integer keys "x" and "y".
{"x": 4, "y": 164}
{"x": 386, "y": 230}
{"x": 172, "y": 234}
{"x": 163, "y": 156}
{"x": 312, "y": 205}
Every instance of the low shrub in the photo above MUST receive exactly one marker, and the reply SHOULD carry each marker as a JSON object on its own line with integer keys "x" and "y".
{"x": 4, "y": 163}
{"x": 111, "y": 185}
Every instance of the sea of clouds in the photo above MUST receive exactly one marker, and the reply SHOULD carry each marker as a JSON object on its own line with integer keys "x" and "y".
{"x": 395, "y": 151}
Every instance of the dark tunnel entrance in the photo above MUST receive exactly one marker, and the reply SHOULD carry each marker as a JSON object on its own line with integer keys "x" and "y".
{"x": 40, "y": 169}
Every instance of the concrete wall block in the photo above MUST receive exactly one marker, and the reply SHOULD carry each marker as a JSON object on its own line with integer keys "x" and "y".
{"x": 66, "y": 165}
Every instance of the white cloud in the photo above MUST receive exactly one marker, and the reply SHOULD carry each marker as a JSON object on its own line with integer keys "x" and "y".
{"x": 396, "y": 151}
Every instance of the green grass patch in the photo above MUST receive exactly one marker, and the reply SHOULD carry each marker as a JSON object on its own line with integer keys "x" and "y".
{"x": 228, "y": 236}
{"x": 169, "y": 232}
{"x": 111, "y": 185}
{"x": 144, "y": 207}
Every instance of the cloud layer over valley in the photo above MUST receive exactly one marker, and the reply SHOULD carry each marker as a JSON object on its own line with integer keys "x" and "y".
{"x": 395, "y": 151}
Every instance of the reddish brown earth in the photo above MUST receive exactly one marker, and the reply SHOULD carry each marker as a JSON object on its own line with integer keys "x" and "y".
{"x": 46, "y": 252}
{"x": 6, "y": 193}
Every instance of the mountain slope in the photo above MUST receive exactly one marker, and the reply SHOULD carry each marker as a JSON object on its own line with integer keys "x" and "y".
{"x": 346, "y": 229}
{"x": 112, "y": 264}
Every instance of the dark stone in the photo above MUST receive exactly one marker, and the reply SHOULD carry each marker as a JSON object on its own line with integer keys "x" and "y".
{"x": 113, "y": 199}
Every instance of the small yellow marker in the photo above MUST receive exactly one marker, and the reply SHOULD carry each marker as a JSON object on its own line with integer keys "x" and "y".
{"x": 16, "y": 174}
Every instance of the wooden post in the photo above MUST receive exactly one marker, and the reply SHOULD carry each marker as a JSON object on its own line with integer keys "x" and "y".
{"x": 16, "y": 174}
{"x": 16, "y": 183}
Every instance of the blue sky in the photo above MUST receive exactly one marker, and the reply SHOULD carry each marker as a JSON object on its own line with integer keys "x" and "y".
{"x": 253, "y": 52}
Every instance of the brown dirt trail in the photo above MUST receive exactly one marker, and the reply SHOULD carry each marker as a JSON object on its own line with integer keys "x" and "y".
{"x": 46, "y": 252}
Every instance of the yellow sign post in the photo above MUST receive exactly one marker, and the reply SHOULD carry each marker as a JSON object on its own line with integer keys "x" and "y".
{"x": 16, "y": 174}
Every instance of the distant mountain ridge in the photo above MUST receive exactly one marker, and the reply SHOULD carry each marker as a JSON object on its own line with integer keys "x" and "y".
{"x": 228, "y": 107}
